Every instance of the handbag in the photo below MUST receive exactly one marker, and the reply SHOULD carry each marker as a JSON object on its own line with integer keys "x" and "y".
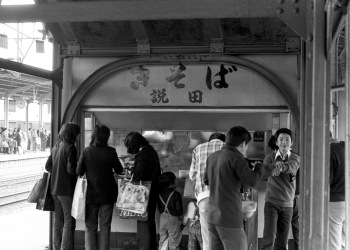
{"x": 38, "y": 190}
{"x": 133, "y": 197}
{"x": 189, "y": 190}
{"x": 45, "y": 202}
{"x": 79, "y": 199}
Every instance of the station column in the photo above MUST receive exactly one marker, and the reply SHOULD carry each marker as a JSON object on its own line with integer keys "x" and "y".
{"x": 6, "y": 115}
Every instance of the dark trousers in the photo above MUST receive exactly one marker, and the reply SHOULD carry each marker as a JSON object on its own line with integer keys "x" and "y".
{"x": 195, "y": 236}
{"x": 227, "y": 238}
{"x": 277, "y": 219}
{"x": 64, "y": 223}
{"x": 146, "y": 230}
{"x": 295, "y": 223}
{"x": 295, "y": 226}
{"x": 98, "y": 215}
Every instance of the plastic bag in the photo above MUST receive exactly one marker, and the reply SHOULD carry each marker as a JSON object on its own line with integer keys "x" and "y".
{"x": 133, "y": 197}
{"x": 79, "y": 199}
{"x": 189, "y": 191}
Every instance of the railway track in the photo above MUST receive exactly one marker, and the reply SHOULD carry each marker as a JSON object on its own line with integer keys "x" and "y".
{"x": 13, "y": 198}
{"x": 11, "y": 181}
{"x": 17, "y": 189}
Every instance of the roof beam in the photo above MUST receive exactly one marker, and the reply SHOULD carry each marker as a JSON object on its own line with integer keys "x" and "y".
{"x": 65, "y": 27}
{"x": 127, "y": 10}
{"x": 24, "y": 68}
{"x": 21, "y": 89}
{"x": 293, "y": 13}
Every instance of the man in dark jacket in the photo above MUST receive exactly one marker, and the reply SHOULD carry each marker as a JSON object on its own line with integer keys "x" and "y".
{"x": 226, "y": 171}
{"x": 337, "y": 196}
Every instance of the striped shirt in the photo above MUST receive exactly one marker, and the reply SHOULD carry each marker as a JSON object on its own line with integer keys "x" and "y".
{"x": 199, "y": 163}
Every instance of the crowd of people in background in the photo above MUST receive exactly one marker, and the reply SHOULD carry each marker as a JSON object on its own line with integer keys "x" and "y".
{"x": 18, "y": 141}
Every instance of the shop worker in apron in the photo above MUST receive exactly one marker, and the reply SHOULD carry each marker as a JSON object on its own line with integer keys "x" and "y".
{"x": 171, "y": 212}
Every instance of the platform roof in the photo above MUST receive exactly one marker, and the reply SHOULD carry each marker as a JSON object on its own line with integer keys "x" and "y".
{"x": 19, "y": 85}
{"x": 127, "y": 28}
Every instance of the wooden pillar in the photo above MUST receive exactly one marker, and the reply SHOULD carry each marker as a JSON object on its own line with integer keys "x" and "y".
{"x": 314, "y": 132}
{"x": 347, "y": 132}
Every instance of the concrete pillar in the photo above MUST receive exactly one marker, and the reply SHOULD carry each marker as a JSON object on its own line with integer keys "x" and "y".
{"x": 41, "y": 103}
{"x": 26, "y": 118}
{"x": 56, "y": 101}
{"x": 347, "y": 128}
{"x": 6, "y": 107}
{"x": 314, "y": 132}
{"x": 67, "y": 83}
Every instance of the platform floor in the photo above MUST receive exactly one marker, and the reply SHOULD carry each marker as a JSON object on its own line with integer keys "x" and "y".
{"x": 28, "y": 154}
{"x": 22, "y": 227}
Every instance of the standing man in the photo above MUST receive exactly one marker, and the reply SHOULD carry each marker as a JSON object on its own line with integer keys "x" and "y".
{"x": 226, "y": 171}
{"x": 198, "y": 166}
{"x": 337, "y": 196}
{"x": 29, "y": 136}
{"x": 34, "y": 136}
{"x": 279, "y": 200}
{"x": 43, "y": 139}
{"x": 295, "y": 217}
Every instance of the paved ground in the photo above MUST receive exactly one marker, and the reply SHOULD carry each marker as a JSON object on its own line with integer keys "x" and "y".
{"x": 22, "y": 227}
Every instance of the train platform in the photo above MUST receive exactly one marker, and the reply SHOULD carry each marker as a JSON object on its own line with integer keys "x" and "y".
{"x": 27, "y": 155}
{"x": 22, "y": 226}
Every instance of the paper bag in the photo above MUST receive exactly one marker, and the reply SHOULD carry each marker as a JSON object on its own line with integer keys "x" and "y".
{"x": 45, "y": 202}
{"x": 38, "y": 190}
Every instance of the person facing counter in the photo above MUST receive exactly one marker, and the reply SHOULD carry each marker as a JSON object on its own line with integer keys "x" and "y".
{"x": 226, "y": 171}
{"x": 146, "y": 168}
{"x": 99, "y": 162}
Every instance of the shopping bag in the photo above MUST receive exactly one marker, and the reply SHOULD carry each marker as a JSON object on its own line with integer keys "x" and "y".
{"x": 45, "y": 202}
{"x": 189, "y": 190}
{"x": 133, "y": 196}
{"x": 165, "y": 245}
{"x": 79, "y": 199}
{"x": 129, "y": 214}
{"x": 38, "y": 190}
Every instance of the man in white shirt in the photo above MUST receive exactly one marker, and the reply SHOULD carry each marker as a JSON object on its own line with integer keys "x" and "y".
{"x": 198, "y": 165}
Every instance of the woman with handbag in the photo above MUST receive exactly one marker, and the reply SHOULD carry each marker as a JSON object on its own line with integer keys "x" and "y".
{"x": 62, "y": 163}
{"x": 99, "y": 162}
{"x": 146, "y": 168}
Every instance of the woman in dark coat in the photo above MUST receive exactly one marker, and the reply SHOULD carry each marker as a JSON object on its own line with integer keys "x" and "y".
{"x": 98, "y": 161}
{"x": 146, "y": 168}
{"x": 62, "y": 163}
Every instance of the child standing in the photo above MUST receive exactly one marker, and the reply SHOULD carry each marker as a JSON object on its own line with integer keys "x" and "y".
{"x": 194, "y": 230}
{"x": 170, "y": 210}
